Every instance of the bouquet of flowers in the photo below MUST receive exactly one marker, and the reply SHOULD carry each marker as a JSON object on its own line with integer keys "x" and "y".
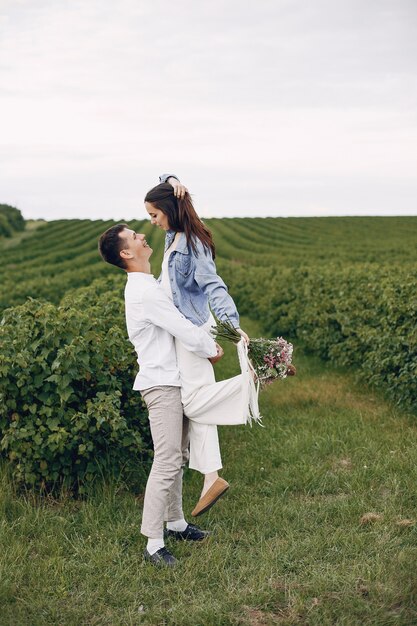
{"x": 270, "y": 358}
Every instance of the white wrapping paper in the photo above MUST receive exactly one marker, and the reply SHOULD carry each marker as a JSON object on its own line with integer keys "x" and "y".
{"x": 250, "y": 388}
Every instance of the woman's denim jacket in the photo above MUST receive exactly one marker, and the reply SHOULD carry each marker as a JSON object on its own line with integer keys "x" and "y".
{"x": 195, "y": 284}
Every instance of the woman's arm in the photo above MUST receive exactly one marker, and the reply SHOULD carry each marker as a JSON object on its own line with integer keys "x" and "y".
{"x": 213, "y": 286}
{"x": 215, "y": 289}
{"x": 179, "y": 189}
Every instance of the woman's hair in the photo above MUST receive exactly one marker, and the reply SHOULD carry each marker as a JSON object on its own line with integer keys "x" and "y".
{"x": 182, "y": 216}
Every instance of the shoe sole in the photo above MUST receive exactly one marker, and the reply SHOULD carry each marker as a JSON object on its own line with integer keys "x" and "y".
{"x": 210, "y": 504}
{"x": 166, "y": 536}
{"x": 160, "y": 564}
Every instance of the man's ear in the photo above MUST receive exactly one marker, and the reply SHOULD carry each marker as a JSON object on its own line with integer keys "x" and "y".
{"x": 125, "y": 254}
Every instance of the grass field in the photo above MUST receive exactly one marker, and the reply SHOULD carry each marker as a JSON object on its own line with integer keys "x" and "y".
{"x": 318, "y": 527}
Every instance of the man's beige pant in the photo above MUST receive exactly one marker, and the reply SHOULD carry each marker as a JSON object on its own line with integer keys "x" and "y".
{"x": 169, "y": 429}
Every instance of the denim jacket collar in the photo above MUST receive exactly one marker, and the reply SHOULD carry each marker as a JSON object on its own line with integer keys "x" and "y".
{"x": 182, "y": 247}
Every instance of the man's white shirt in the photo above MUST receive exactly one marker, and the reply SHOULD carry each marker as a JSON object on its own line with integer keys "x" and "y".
{"x": 152, "y": 322}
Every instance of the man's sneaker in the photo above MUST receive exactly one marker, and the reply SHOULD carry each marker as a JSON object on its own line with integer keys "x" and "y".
{"x": 161, "y": 558}
{"x": 191, "y": 533}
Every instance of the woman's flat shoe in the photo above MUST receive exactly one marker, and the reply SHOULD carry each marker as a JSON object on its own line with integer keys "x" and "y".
{"x": 218, "y": 488}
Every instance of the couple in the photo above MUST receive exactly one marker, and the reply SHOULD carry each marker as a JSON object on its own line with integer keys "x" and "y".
{"x": 169, "y": 324}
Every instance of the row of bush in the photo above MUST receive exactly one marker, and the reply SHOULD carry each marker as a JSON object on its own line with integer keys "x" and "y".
{"x": 11, "y": 220}
{"x": 54, "y": 258}
{"x": 67, "y": 409}
{"x": 52, "y": 287}
{"x": 363, "y": 316}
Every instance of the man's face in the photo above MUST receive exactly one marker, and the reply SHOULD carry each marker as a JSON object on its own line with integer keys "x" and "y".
{"x": 158, "y": 218}
{"x": 136, "y": 244}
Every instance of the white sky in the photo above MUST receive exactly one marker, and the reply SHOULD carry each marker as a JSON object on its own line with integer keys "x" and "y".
{"x": 273, "y": 107}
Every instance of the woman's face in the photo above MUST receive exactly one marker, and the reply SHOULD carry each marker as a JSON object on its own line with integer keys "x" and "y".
{"x": 158, "y": 218}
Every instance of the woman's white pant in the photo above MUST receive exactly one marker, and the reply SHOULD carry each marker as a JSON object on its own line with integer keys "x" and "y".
{"x": 208, "y": 404}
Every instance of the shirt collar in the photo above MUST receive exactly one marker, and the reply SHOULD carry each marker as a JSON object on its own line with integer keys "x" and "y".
{"x": 182, "y": 247}
{"x": 169, "y": 238}
{"x": 140, "y": 276}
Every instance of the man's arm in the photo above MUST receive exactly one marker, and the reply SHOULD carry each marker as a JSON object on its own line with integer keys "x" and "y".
{"x": 162, "y": 312}
{"x": 179, "y": 189}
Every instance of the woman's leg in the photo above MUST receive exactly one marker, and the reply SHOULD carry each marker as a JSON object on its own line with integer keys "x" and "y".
{"x": 205, "y": 452}
{"x": 208, "y": 403}
{"x": 204, "y": 442}
{"x": 223, "y": 403}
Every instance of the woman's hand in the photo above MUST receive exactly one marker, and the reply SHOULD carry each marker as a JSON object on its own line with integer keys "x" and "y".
{"x": 179, "y": 189}
{"x": 220, "y": 352}
{"x": 244, "y": 335}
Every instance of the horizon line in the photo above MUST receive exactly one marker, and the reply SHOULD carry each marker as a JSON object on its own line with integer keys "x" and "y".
{"x": 208, "y": 217}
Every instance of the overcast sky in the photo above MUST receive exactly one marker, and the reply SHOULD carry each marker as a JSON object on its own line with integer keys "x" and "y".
{"x": 273, "y": 107}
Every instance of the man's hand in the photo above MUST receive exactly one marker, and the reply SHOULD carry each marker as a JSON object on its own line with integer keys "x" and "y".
{"x": 291, "y": 370}
{"x": 220, "y": 352}
{"x": 179, "y": 189}
{"x": 244, "y": 335}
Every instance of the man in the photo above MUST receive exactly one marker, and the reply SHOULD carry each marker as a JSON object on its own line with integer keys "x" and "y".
{"x": 152, "y": 322}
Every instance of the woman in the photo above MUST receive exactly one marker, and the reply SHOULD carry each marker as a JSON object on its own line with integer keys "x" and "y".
{"x": 189, "y": 277}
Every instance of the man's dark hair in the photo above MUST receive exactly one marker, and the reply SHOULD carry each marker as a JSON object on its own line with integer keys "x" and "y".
{"x": 110, "y": 244}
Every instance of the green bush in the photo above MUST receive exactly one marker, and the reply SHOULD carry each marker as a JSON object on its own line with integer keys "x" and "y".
{"x": 5, "y": 228}
{"x": 67, "y": 409}
{"x": 11, "y": 219}
{"x": 361, "y": 315}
